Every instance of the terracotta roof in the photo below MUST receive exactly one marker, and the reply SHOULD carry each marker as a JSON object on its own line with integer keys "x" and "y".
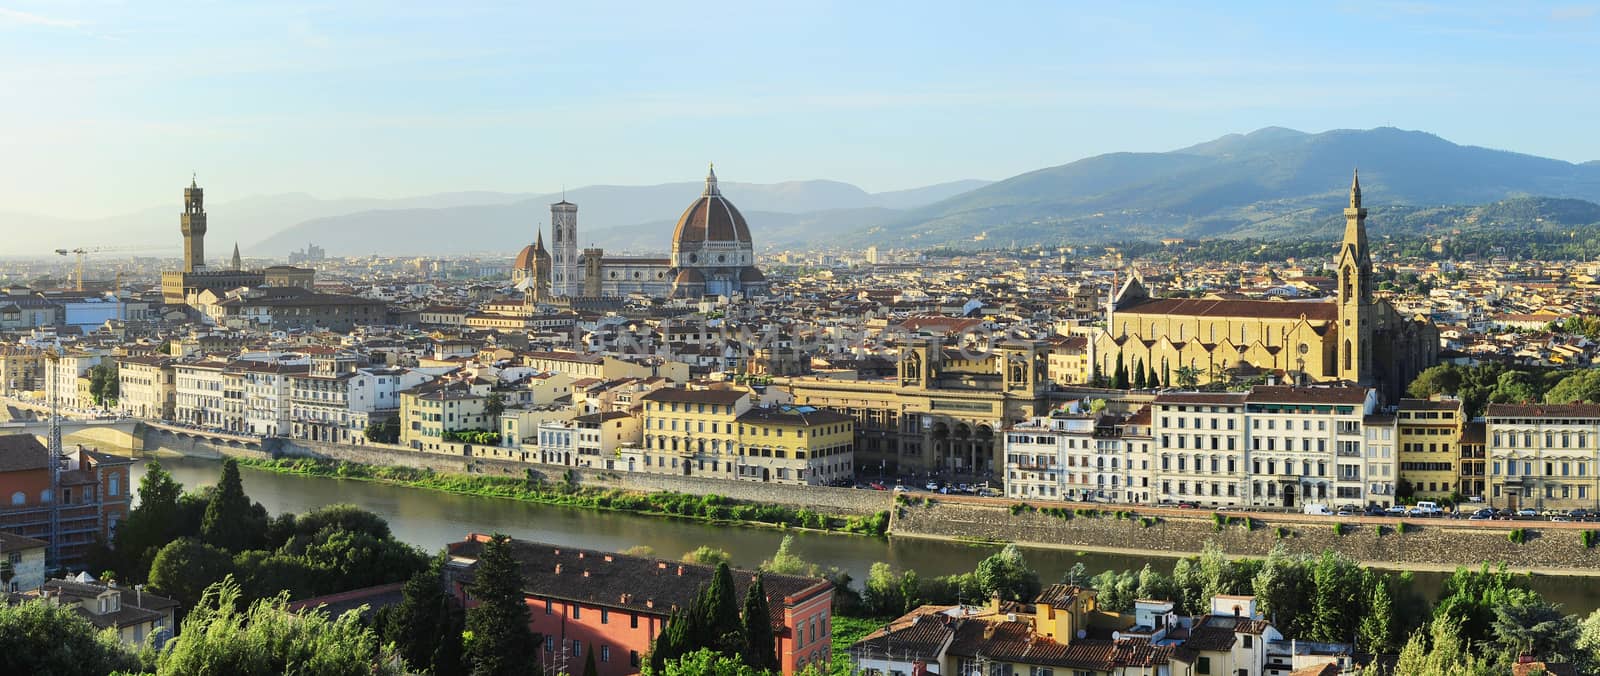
{"x": 711, "y": 218}
{"x": 686, "y": 396}
{"x": 801, "y": 416}
{"x": 20, "y": 452}
{"x": 1254, "y": 309}
{"x": 1543, "y": 411}
{"x": 1262, "y": 394}
{"x": 1216, "y": 398}
{"x": 636, "y": 584}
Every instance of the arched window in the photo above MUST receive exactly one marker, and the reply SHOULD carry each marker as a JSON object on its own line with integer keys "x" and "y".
{"x": 1348, "y": 357}
{"x": 19, "y": 498}
{"x": 45, "y": 497}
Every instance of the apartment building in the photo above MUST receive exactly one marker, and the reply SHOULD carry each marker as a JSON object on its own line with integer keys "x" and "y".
{"x": 147, "y": 387}
{"x": 1543, "y": 456}
{"x": 720, "y": 433}
{"x": 1200, "y": 442}
{"x": 94, "y": 496}
{"x": 430, "y": 414}
{"x": 1382, "y": 459}
{"x": 611, "y": 606}
{"x": 198, "y": 393}
{"x": 267, "y": 389}
{"x": 1305, "y": 445}
{"x": 1429, "y": 433}
{"x": 1273, "y": 446}
{"x": 339, "y": 396}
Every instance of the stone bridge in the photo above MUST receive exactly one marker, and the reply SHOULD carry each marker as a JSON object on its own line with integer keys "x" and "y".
{"x": 111, "y": 435}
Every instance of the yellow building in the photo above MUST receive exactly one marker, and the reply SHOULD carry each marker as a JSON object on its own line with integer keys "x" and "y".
{"x": 428, "y": 414}
{"x": 21, "y": 370}
{"x": 1351, "y": 337}
{"x": 1428, "y": 434}
{"x": 938, "y": 416}
{"x": 719, "y": 433}
{"x": 1543, "y": 456}
{"x": 146, "y": 387}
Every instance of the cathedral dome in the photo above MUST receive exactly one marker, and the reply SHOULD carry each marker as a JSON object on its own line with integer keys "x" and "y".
{"x": 712, "y": 218}
{"x": 531, "y": 254}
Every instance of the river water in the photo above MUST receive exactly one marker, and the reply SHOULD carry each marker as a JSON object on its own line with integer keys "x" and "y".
{"x": 430, "y": 519}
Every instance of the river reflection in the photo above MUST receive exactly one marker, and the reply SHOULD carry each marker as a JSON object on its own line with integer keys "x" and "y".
{"x": 430, "y": 519}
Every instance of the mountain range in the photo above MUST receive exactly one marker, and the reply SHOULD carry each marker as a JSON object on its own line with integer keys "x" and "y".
{"x": 1272, "y": 183}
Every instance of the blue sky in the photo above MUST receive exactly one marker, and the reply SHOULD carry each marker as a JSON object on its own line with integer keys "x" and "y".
{"x": 107, "y": 106}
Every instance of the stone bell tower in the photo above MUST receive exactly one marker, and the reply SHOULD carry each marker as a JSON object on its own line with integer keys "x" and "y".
{"x": 193, "y": 225}
{"x": 1356, "y": 320}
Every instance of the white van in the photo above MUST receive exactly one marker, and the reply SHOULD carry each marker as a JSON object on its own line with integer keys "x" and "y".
{"x": 1426, "y": 508}
{"x": 1318, "y": 509}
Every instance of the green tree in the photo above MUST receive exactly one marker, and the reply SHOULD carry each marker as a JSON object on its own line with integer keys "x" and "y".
{"x": 1139, "y": 379}
{"x": 494, "y": 405}
{"x": 719, "y": 608}
{"x": 1469, "y": 599}
{"x": 1338, "y": 599}
{"x": 186, "y": 567}
{"x": 786, "y": 562}
{"x": 501, "y": 643}
{"x": 1118, "y": 589}
{"x": 1119, "y": 377}
{"x": 149, "y": 526}
{"x": 910, "y": 591}
{"x": 1441, "y": 379}
{"x": 589, "y": 668}
{"x": 703, "y": 662}
{"x": 706, "y": 555}
{"x": 1376, "y": 632}
{"x": 1538, "y": 628}
{"x": 1580, "y": 387}
{"x": 37, "y": 637}
{"x": 881, "y": 594}
{"x": 421, "y": 622}
{"x": 674, "y": 640}
{"x": 1154, "y": 585}
{"x": 760, "y": 644}
{"x": 1440, "y": 650}
{"x": 1516, "y": 387}
{"x": 219, "y": 636}
{"x": 230, "y": 523}
{"x": 1188, "y": 377}
{"x": 1283, "y": 589}
{"x": 1007, "y": 574}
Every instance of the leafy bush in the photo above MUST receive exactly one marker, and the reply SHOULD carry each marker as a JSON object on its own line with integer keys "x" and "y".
{"x": 1517, "y": 536}
{"x": 1587, "y": 538}
{"x": 1283, "y": 533}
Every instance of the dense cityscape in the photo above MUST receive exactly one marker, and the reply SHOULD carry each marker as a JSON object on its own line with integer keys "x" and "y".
{"x": 1280, "y": 403}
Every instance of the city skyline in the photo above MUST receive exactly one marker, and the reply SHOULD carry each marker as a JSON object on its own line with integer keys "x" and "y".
{"x": 351, "y": 102}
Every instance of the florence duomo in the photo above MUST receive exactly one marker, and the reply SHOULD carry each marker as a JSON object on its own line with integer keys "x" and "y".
{"x": 712, "y": 254}
{"x": 1074, "y": 344}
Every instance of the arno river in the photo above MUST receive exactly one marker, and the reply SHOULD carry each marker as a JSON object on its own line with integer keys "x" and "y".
{"x": 429, "y": 519}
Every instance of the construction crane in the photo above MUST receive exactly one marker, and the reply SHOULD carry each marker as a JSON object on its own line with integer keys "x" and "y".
{"x": 81, "y": 252}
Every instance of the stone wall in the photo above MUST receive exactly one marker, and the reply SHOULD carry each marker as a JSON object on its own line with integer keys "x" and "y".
{"x": 822, "y": 499}
{"x": 1427, "y": 543}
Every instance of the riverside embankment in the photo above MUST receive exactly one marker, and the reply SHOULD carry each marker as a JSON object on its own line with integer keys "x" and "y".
{"x": 1414, "y": 544}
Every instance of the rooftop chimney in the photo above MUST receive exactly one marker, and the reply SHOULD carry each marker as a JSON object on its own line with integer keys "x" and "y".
{"x": 558, "y": 569}
{"x": 586, "y": 572}
{"x": 680, "y": 571}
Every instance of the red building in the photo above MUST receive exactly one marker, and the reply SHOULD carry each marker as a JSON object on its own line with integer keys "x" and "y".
{"x": 94, "y": 494}
{"x": 582, "y": 600}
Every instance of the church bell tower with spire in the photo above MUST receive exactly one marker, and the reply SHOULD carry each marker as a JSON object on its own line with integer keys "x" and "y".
{"x": 193, "y": 225}
{"x": 1356, "y": 319}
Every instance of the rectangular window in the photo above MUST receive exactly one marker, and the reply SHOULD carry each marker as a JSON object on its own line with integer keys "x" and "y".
{"x": 605, "y": 616}
{"x": 577, "y": 648}
{"x": 605, "y": 653}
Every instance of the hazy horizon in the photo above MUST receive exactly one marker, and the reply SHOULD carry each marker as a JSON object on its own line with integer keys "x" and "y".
{"x": 121, "y": 103}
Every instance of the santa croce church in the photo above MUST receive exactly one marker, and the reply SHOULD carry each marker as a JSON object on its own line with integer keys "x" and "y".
{"x": 1351, "y": 338}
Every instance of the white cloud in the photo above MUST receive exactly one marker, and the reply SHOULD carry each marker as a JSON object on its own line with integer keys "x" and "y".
{"x": 21, "y": 18}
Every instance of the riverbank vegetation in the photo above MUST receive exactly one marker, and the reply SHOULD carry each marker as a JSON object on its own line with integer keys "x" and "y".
{"x": 181, "y": 543}
{"x": 568, "y": 492}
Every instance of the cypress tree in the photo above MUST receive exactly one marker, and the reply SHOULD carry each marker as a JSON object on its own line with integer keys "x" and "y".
{"x": 502, "y": 644}
{"x": 760, "y": 646}
{"x": 1139, "y": 380}
{"x": 416, "y": 625}
{"x": 720, "y": 610}
{"x": 589, "y": 669}
{"x": 1119, "y": 377}
{"x": 672, "y": 642}
{"x": 228, "y": 513}
{"x": 1151, "y": 377}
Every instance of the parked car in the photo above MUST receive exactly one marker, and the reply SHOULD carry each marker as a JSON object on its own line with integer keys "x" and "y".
{"x": 1527, "y": 513}
{"x": 1426, "y": 508}
{"x": 932, "y": 485}
{"x": 1481, "y": 515}
{"x": 1396, "y": 510}
{"x": 1374, "y": 510}
{"x": 878, "y": 486}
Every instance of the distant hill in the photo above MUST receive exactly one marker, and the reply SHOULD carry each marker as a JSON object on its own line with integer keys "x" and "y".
{"x": 1270, "y": 182}
{"x": 619, "y": 218}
